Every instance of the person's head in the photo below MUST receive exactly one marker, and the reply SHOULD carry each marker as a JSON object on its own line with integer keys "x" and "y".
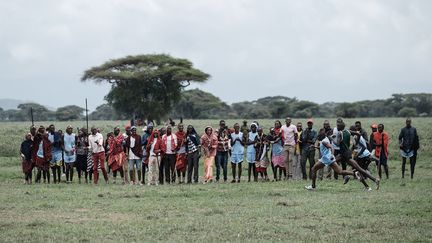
{"x": 33, "y": 130}
{"x": 253, "y": 127}
{"x": 110, "y": 134}
{"x": 339, "y": 120}
{"x": 180, "y": 127}
{"x": 358, "y": 125}
{"x": 288, "y": 121}
{"x": 321, "y": 134}
{"x": 299, "y": 126}
{"x": 326, "y": 125}
{"x": 51, "y": 128}
{"x": 28, "y": 136}
{"x": 353, "y": 130}
{"x": 60, "y": 132}
{"x": 374, "y": 127}
{"x": 380, "y": 127}
{"x": 69, "y": 129}
{"x": 168, "y": 130}
{"x": 116, "y": 131}
{"x": 244, "y": 123}
{"x": 156, "y": 133}
{"x": 41, "y": 130}
{"x": 133, "y": 130}
{"x": 222, "y": 124}
{"x": 310, "y": 123}
{"x": 408, "y": 122}
{"x": 260, "y": 130}
{"x": 94, "y": 130}
{"x": 277, "y": 124}
{"x": 236, "y": 128}
{"x": 340, "y": 126}
{"x": 208, "y": 131}
{"x": 190, "y": 129}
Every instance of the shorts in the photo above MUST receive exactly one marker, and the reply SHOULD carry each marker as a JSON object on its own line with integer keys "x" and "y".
{"x": 363, "y": 162}
{"x": 237, "y": 158}
{"x": 250, "y": 157}
{"x": 69, "y": 158}
{"x": 406, "y": 154}
{"x": 57, "y": 158}
{"x": 327, "y": 160}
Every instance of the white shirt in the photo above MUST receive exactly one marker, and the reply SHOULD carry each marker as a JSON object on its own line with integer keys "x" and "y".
{"x": 96, "y": 147}
{"x": 131, "y": 153}
{"x": 169, "y": 148}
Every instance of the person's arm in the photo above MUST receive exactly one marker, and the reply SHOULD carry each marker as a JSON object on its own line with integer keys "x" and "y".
{"x": 314, "y": 137}
{"x": 401, "y": 135}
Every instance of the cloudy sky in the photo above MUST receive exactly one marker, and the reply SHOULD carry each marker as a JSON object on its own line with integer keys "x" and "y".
{"x": 326, "y": 50}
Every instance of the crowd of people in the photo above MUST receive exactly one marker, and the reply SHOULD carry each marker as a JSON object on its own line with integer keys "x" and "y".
{"x": 168, "y": 156}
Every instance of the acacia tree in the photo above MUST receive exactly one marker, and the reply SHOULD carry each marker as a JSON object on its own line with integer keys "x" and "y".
{"x": 145, "y": 86}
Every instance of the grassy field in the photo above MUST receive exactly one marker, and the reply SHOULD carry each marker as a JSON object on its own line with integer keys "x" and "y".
{"x": 263, "y": 211}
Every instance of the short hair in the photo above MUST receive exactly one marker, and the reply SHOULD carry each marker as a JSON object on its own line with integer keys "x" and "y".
{"x": 358, "y": 122}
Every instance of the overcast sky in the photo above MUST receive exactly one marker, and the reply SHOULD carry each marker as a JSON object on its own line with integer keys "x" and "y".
{"x": 318, "y": 50}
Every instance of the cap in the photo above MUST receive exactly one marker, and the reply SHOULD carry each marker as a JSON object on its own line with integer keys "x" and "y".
{"x": 133, "y": 127}
{"x": 374, "y": 126}
{"x": 310, "y": 121}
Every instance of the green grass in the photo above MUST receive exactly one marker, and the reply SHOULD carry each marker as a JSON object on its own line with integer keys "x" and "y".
{"x": 263, "y": 211}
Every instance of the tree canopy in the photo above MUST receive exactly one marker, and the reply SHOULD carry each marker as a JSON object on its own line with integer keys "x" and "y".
{"x": 145, "y": 86}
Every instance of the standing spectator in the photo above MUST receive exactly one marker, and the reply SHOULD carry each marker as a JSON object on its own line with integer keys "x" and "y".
{"x": 209, "y": 145}
{"x": 56, "y": 150}
{"x": 371, "y": 144}
{"x": 41, "y": 154}
{"x": 98, "y": 154}
{"x": 26, "y": 154}
{"x": 409, "y": 144}
{"x": 134, "y": 151}
{"x": 193, "y": 154}
{"x": 224, "y": 146}
{"x": 144, "y": 141}
{"x": 154, "y": 149}
{"x": 289, "y": 137}
{"x": 82, "y": 151}
{"x": 297, "y": 170}
{"x": 181, "y": 160}
{"x": 308, "y": 139}
{"x": 381, "y": 139}
{"x": 169, "y": 146}
{"x": 251, "y": 152}
{"x": 69, "y": 152}
{"x": 237, "y": 152}
{"x": 261, "y": 158}
{"x": 277, "y": 157}
{"x": 116, "y": 154}
{"x": 362, "y": 131}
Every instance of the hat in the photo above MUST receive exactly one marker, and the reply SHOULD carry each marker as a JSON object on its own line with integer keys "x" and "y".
{"x": 374, "y": 126}
{"x": 127, "y": 127}
{"x": 133, "y": 127}
{"x": 310, "y": 121}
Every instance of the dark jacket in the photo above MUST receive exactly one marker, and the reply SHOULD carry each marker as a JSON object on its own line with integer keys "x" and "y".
{"x": 407, "y": 138}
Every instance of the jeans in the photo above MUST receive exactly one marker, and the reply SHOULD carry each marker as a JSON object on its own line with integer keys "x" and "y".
{"x": 222, "y": 161}
{"x": 136, "y": 162}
